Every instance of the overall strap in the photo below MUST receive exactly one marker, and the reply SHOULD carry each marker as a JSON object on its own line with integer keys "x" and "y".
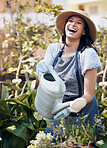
{"x": 77, "y": 73}
{"x": 77, "y": 67}
{"x": 58, "y": 55}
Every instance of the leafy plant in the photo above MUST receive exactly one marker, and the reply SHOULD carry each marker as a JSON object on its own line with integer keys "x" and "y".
{"x": 19, "y": 120}
{"x": 101, "y": 92}
{"x": 68, "y": 135}
{"x": 20, "y": 40}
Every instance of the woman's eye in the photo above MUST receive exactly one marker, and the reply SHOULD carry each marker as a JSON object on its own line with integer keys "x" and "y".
{"x": 70, "y": 20}
{"x": 79, "y": 22}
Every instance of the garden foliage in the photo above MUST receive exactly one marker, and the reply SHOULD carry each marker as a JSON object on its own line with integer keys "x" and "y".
{"x": 19, "y": 41}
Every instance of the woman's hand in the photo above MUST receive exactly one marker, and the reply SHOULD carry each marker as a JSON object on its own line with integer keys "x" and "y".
{"x": 75, "y": 107}
{"x": 37, "y": 81}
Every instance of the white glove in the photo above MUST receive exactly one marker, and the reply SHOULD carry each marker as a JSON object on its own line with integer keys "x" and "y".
{"x": 75, "y": 107}
{"x": 77, "y": 104}
{"x": 62, "y": 114}
{"x": 41, "y": 68}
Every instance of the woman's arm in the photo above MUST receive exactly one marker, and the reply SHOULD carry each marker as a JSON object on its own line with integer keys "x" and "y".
{"x": 89, "y": 85}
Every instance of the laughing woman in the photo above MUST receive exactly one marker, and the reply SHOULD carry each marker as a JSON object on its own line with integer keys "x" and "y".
{"x": 76, "y": 62}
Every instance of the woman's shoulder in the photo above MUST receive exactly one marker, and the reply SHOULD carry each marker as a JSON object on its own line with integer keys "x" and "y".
{"x": 53, "y": 48}
{"x": 89, "y": 50}
{"x": 89, "y": 53}
{"x": 89, "y": 59}
{"x": 54, "y": 45}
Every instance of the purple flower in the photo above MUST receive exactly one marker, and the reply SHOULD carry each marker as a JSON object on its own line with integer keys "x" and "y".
{"x": 1, "y": 69}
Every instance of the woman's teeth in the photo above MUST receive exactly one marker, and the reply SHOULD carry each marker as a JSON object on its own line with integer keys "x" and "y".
{"x": 72, "y": 30}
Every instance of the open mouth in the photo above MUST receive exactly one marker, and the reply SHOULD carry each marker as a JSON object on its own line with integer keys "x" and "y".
{"x": 72, "y": 30}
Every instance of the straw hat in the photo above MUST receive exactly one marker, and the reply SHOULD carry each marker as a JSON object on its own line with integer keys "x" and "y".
{"x": 62, "y": 18}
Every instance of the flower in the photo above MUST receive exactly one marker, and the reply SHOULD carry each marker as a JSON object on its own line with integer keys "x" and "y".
{"x": 41, "y": 139}
{"x": 1, "y": 69}
{"x": 49, "y": 136}
{"x": 41, "y": 135}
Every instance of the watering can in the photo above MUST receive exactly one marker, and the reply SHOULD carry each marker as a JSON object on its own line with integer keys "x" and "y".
{"x": 50, "y": 93}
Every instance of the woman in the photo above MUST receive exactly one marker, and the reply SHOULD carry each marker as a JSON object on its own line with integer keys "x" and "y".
{"x": 76, "y": 62}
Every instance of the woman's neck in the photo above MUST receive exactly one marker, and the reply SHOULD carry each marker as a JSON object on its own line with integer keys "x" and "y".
{"x": 70, "y": 49}
{"x": 71, "y": 46}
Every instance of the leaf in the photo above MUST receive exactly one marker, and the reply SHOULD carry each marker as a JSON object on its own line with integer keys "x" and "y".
{"x": 33, "y": 84}
{"x": 20, "y": 98}
{"x": 101, "y": 144}
{"x": 38, "y": 7}
{"x": 20, "y": 130}
{"x": 48, "y": 10}
{"x": 11, "y": 69}
{"x": 37, "y": 116}
{"x": 104, "y": 103}
{"x": 22, "y": 71}
{"x": 104, "y": 115}
{"x": 4, "y": 106}
{"x": 102, "y": 83}
{"x": 101, "y": 72}
{"x": 20, "y": 103}
{"x": 8, "y": 81}
{"x": 16, "y": 81}
{"x": 5, "y": 92}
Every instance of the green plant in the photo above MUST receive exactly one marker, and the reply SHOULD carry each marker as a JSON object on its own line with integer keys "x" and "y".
{"x": 68, "y": 135}
{"x": 76, "y": 133}
{"x": 20, "y": 40}
{"x": 19, "y": 120}
{"x": 101, "y": 92}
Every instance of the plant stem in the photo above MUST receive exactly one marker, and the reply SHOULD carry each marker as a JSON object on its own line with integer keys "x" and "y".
{"x": 103, "y": 80}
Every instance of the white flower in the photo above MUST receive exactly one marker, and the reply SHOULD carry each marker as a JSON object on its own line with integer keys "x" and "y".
{"x": 34, "y": 144}
{"x": 41, "y": 135}
{"x": 41, "y": 140}
{"x": 7, "y": 35}
{"x": 49, "y": 136}
{"x": 30, "y": 48}
{"x": 0, "y": 139}
{"x": 4, "y": 45}
{"x": 32, "y": 141}
{"x": 30, "y": 146}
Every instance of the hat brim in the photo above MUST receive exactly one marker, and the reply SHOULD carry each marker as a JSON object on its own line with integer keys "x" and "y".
{"x": 62, "y": 19}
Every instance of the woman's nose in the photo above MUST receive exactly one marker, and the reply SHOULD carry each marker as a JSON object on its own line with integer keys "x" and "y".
{"x": 73, "y": 23}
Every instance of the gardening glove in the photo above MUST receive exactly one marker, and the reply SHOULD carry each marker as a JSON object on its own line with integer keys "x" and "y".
{"x": 77, "y": 104}
{"x": 41, "y": 68}
{"x": 62, "y": 114}
{"x": 75, "y": 107}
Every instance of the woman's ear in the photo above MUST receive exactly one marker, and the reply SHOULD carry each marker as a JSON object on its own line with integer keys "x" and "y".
{"x": 83, "y": 33}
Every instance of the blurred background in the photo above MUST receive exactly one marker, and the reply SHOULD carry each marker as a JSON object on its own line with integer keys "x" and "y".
{"x": 97, "y": 9}
{"x": 27, "y": 27}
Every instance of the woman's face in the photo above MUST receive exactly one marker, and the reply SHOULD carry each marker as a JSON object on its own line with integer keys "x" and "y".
{"x": 74, "y": 27}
